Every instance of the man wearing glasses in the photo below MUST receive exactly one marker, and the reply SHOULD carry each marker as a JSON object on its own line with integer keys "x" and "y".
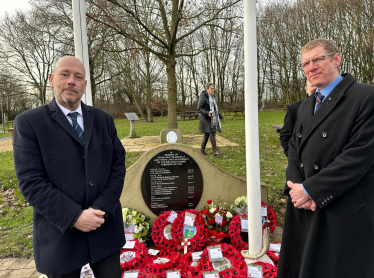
{"x": 329, "y": 219}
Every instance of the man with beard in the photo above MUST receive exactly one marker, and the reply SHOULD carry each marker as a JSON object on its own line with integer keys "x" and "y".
{"x": 70, "y": 167}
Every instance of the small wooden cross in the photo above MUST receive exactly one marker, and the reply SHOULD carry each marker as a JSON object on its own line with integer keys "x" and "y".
{"x": 185, "y": 243}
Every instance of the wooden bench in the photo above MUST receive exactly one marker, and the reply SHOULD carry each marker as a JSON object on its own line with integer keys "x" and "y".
{"x": 277, "y": 128}
{"x": 189, "y": 114}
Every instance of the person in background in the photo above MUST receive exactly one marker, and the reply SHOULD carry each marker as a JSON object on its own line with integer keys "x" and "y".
{"x": 209, "y": 118}
{"x": 70, "y": 167}
{"x": 291, "y": 117}
{"x": 329, "y": 220}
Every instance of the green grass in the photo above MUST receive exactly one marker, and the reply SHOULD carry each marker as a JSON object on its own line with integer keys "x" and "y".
{"x": 16, "y": 219}
{"x": 2, "y": 134}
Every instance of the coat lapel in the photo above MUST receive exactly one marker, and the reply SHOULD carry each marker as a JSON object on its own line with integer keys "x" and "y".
{"x": 88, "y": 119}
{"x": 310, "y": 120}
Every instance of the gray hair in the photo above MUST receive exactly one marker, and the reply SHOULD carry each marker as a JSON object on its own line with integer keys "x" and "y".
{"x": 207, "y": 85}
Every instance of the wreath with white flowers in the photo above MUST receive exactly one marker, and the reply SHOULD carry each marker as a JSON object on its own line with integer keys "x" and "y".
{"x": 197, "y": 242}
{"x": 158, "y": 232}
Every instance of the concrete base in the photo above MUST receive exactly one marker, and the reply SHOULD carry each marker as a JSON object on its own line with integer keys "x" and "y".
{"x": 264, "y": 259}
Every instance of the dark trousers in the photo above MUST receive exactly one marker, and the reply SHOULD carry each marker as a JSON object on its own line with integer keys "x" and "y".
{"x": 207, "y": 135}
{"x": 108, "y": 267}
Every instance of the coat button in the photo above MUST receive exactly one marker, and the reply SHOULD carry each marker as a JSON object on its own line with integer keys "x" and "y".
{"x": 322, "y": 202}
{"x": 330, "y": 196}
{"x": 316, "y": 167}
{"x": 299, "y": 135}
{"x": 324, "y": 134}
{"x": 301, "y": 165}
{"x": 91, "y": 183}
{"x": 325, "y": 200}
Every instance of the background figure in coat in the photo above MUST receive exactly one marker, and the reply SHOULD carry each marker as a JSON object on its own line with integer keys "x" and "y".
{"x": 291, "y": 117}
{"x": 71, "y": 168}
{"x": 209, "y": 118}
{"x": 329, "y": 221}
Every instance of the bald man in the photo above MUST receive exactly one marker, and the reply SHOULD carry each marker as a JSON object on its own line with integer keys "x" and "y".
{"x": 291, "y": 117}
{"x": 70, "y": 167}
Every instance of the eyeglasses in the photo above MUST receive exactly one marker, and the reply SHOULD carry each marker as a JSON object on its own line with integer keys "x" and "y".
{"x": 316, "y": 61}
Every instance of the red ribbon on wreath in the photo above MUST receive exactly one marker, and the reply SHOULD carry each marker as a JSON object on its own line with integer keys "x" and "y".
{"x": 141, "y": 256}
{"x": 158, "y": 236}
{"x": 199, "y": 239}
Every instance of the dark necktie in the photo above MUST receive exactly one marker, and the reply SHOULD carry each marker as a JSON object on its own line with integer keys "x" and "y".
{"x": 76, "y": 126}
{"x": 319, "y": 99}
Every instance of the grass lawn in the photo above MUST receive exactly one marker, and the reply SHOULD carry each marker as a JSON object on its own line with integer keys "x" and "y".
{"x": 2, "y": 134}
{"x": 16, "y": 218}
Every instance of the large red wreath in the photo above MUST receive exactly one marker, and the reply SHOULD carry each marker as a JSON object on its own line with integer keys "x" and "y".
{"x": 233, "y": 255}
{"x": 199, "y": 239}
{"x": 185, "y": 262}
{"x": 268, "y": 270}
{"x": 159, "y": 270}
{"x": 158, "y": 236}
{"x": 141, "y": 256}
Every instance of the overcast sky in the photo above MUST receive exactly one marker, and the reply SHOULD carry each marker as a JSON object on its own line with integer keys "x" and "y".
{"x": 11, "y": 5}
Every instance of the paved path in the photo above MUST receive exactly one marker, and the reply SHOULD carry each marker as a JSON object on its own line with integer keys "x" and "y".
{"x": 143, "y": 144}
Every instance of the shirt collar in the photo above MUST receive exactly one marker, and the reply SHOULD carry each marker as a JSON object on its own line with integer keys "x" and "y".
{"x": 67, "y": 111}
{"x": 327, "y": 90}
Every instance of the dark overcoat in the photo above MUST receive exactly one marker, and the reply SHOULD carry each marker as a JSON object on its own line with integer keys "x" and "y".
{"x": 331, "y": 153}
{"x": 288, "y": 125}
{"x": 59, "y": 176}
{"x": 204, "y": 120}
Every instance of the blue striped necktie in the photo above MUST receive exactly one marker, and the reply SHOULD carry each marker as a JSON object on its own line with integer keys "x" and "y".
{"x": 319, "y": 99}
{"x": 76, "y": 126}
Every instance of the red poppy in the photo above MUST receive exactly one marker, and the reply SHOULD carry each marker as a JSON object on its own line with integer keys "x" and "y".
{"x": 204, "y": 211}
{"x": 209, "y": 202}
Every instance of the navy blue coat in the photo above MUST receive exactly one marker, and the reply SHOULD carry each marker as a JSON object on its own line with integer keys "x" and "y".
{"x": 58, "y": 176}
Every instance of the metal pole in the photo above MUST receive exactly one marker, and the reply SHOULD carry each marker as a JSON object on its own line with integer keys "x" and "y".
{"x": 80, "y": 43}
{"x": 251, "y": 129}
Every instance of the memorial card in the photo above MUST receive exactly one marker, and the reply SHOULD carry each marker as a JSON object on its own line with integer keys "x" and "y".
{"x": 131, "y": 274}
{"x": 275, "y": 247}
{"x": 189, "y": 219}
{"x": 196, "y": 255}
{"x": 210, "y": 274}
{"x": 172, "y": 216}
{"x": 264, "y": 211}
{"x": 153, "y": 252}
{"x": 129, "y": 237}
{"x": 173, "y": 274}
{"x": 215, "y": 253}
{"x": 218, "y": 219}
{"x": 129, "y": 245}
{"x": 127, "y": 256}
{"x": 221, "y": 265}
{"x": 255, "y": 271}
{"x": 244, "y": 224}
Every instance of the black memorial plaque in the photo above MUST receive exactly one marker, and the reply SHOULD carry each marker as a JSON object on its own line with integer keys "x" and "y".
{"x": 172, "y": 180}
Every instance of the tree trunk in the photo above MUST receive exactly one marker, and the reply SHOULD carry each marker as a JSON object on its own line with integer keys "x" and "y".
{"x": 148, "y": 95}
{"x": 172, "y": 93}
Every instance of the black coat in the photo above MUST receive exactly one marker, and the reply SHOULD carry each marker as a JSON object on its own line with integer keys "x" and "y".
{"x": 204, "y": 109}
{"x": 289, "y": 123}
{"x": 59, "y": 176}
{"x": 331, "y": 153}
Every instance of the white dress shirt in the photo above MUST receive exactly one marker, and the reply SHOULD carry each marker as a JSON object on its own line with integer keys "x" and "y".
{"x": 79, "y": 116}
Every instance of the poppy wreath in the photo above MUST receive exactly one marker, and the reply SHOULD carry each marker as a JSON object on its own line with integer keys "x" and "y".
{"x": 158, "y": 236}
{"x": 268, "y": 270}
{"x": 234, "y": 233}
{"x": 271, "y": 217}
{"x": 198, "y": 240}
{"x": 159, "y": 270}
{"x": 185, "y": 262}
{"x": 230, "y": 253}
{"x": 273, "y": 257}
{"x": 141, "y": 256}
{"x": 143, "y": 274}
{"x": 231, "y": 272}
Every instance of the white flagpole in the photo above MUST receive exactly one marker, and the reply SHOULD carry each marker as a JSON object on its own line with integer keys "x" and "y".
{"x": 80, "y": 43}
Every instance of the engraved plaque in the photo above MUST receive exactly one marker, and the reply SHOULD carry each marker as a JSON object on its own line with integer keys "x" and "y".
{"x": 171, "y": 180}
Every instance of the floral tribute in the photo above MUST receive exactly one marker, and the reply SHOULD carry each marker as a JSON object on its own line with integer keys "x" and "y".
{"x": 272, "y": 218}
{"x": 129, "y": 261}
{"x": 268, "y": 270}
{"x": 139, "y": 222}
{"x": 240, "y": 205}
{"x": 212, "y": 212}
{"x": 185, "y": 262}
{"x": 198, "y": 240}
{"x": 230, "y": 253}
{"x": 158, "y": 232}
{"x": 163, "y": 261}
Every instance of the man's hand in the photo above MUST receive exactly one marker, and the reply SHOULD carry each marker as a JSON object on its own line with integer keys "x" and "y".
{"x": 298, "y": 196}
{"x": 90, "y": 220}
{"x": 310, "y": 205}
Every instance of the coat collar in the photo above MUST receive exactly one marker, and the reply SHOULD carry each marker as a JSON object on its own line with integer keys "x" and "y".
{"x": 310, "y": 120}
{"x": 60, "y": 118}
